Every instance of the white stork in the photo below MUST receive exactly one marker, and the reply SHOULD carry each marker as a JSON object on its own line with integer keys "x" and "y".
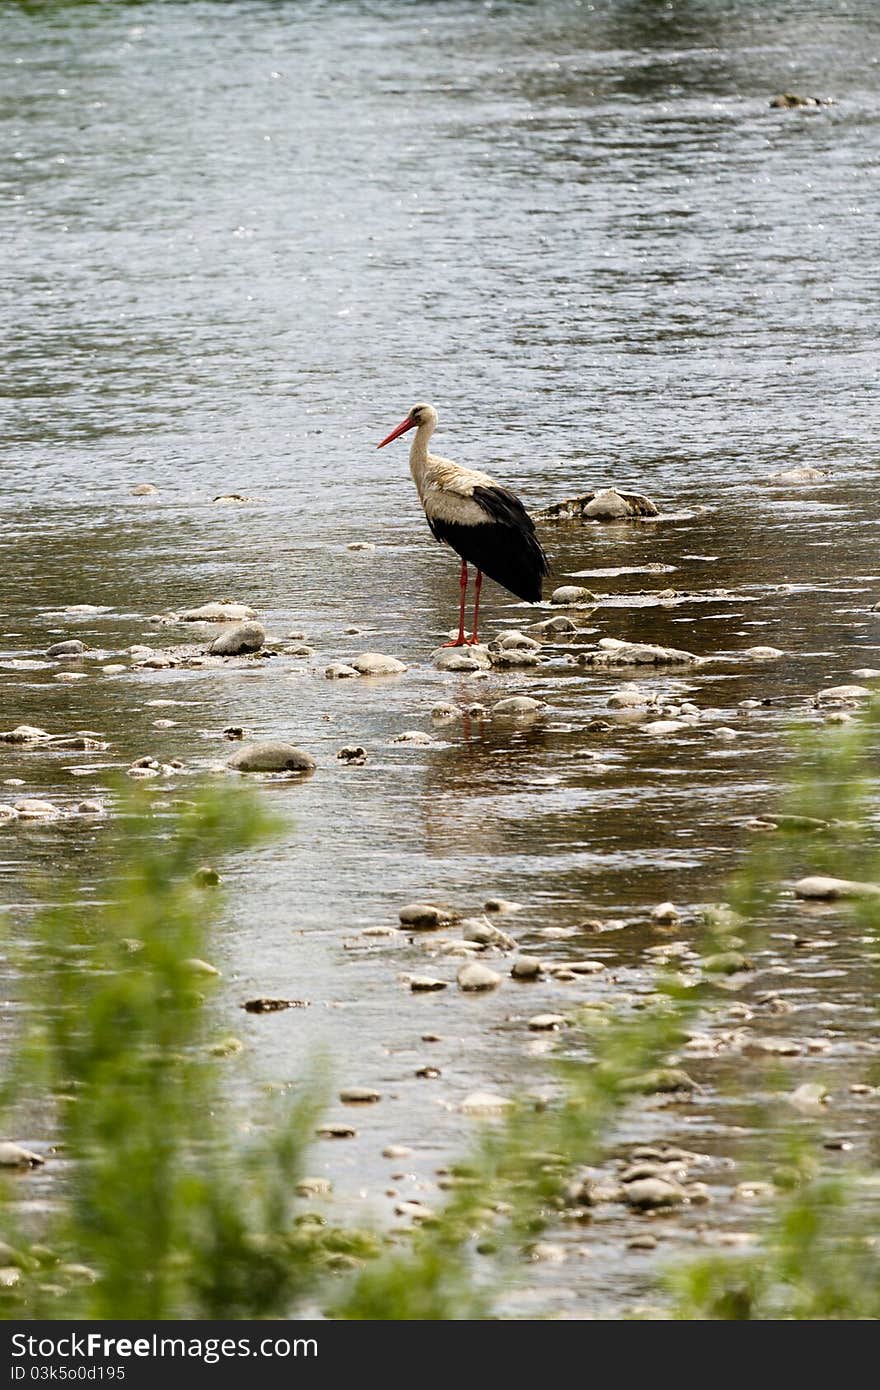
{"x": 482, "y": 521}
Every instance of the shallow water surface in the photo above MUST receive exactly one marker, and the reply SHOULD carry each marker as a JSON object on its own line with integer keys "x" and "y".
{"x": 244, "y": 238}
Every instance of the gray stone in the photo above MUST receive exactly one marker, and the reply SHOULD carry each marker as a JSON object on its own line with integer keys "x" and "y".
{"x": 424, "y": 915}
{"x": 359, "y": 1095}
{"x": 271, "y": 757}
{"x": 14, "y": 1156}
{"x": 612, "y": 652}
{"x": 376, "y": 664}
{"x": 475, "y": 978}
{"x": 572, "y": 596}
{"x": 462, "y": 659}
{"x": 526, "y": 968}
{"x": 517, "y": 707}
{"x": 651, "y": 1194}
{"x": 243, "y": 637}
{"x": 72, "y": 648}
{"x": 225, "y": 612}
{"x": 822, "y": 887}
{"x": 338, "y": 671}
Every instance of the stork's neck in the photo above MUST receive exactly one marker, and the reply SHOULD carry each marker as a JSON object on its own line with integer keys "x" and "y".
{"x": 418, "y": 454}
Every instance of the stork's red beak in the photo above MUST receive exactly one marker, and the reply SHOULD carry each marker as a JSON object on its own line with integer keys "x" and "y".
{"x": 402, "y": 428}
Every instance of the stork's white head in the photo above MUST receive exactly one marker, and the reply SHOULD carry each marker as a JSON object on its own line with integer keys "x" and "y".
{"x": 422, "y": 417}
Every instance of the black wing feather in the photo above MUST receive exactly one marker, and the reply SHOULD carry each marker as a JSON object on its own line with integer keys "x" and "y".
{"x": 505, "y": 546}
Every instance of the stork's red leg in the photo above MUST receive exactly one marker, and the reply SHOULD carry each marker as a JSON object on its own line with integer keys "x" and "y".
{"x": 460, "y": 639}
{"x": 478, "y": 584}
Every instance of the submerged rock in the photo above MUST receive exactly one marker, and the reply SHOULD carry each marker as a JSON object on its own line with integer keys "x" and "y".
{"x": 243, "y": 637}
{"x": 271, "y": 757}
{"x": 843, "y": 692}
{"x": 224, "y": 612}
{"x": 33, "y": 809}
{"x": 792, "y": 101}
{"x": 552, "y": 627}
{"x": 359, "y": 1095}
{"x": 377, "y": 664}
{"x": 517, "y": 707}
{"x": 612, "y": 652}
{"x": 484, "y": 1103}
{"x": 413, "y": 736}
{"x": 526, "y": 968}
{"x": 605, "y": 505}
{"x": 143, "y": 490}
{"x": 514, "y": 656}
{"x": 803, "y": 474}
{"x": 25, "y": 733}
{"x": 338, "y": 671}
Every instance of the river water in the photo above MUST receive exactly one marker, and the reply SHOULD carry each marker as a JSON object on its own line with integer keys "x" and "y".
{"x": 240, "y": 240}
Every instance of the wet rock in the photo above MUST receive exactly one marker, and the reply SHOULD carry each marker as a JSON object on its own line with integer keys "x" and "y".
{"x": 314, "y": 1187}
{"x": 143, "y": 490}
{"x": 843, "y": 692}
{"x": 547, "y": 1023}
{"x": 353, "y": 754}
{"x": 665, "y": 913}
{"x": 771, "y": 1047}
{"x": 791, "y": 101}
{"x": 485, "y": 933}
{"x": 612, "y": 652}
{"x": 71, "y": 648}
{"x": 501, "y": 905}
{"x": 7, "y": 813}
{"x": 572, "y": 596}
{"x": 273, "y": 1006}
{"x": 552, "y": 627}
{"x": 810, "y": 1098}
{"x": 605, "y": 505}
{"x": 821, "y": 887}
{"x": 359, "y": 1095}
{"x": 514, "y": 640}
{"x": 514, "y": 657}
{"x": 804, "y": 474}
{"x": 526, "y": 968}
{"x": 442, "y": 713}
{"x": 866, "y": 673}
{"x": 336, "y": 1130}
{"x": 396, "y": 1151}
{"x": 465, "y": 659}
{"x": 643, "y": 1242}
{"x": 25, "y": 733}
{"x": 762, "y": 653}
{"x": 484, "y": 1103}
{"x": 243, "y": 637}
{"x": 653, "y": 1194}
{"x": 727, "y": 963}
{"x": 660, "y": 727}
{"x": 338, "y": 671}
{"x": 475, "y": 978}
{"x": 227, "y": 499}
{"x": 517, "y": 707}
{"x": 426, "y": 984}
{"x": 196, "y": 966}
{"x": 413, "y": 736}
{"x": 376, "y": 664}
{"x": 225, "y": 612}
{"x": 629, "y": 697}
{"x": 31, "y": 808}
{"x": 660, "y": 1081}
{"x": 547, "y": 1252}
{"x": 14, "y": 1156}
{"x": 425, "y": 916}
{"x": 271, "y": 757}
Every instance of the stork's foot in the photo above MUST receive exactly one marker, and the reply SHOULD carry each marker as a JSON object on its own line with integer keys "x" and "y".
{"x": 460, "y": 641}
{"x": 472, "y": 641}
